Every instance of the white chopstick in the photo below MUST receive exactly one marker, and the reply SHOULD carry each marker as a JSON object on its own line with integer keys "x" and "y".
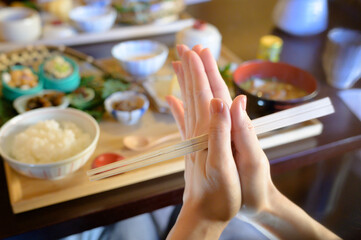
{"x": 264, "y": 124}
{"x": 294, "y": 115}
{"x": 139, "y": 164}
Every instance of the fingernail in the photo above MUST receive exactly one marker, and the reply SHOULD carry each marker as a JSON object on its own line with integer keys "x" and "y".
{"x": 244, "y": 102}
{"x": 216, "y": 106}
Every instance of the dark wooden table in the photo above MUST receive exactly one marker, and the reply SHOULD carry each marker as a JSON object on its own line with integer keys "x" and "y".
{"x": 341, "y": 134}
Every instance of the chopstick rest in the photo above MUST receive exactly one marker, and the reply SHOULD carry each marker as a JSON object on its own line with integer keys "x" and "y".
{"x": 264, "y": 124}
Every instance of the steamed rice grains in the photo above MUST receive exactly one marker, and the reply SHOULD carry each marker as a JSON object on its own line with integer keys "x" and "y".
{"x": 49, "y": 141}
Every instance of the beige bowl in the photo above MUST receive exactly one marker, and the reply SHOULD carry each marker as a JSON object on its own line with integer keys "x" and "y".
{"x": 19, "y": 25}
{"x": 55, "y": 170}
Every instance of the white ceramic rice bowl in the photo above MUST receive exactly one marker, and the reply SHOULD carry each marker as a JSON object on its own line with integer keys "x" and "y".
{"x": 125, "y": 51}
{"x": 55, "y": 170}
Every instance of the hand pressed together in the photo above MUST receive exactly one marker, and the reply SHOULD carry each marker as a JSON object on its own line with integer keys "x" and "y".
{"x": 212, "y": 187}
{"x": 233, "y": 174}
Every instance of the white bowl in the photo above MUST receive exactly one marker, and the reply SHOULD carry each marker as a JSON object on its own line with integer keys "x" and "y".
{"x": 126, "y": 117}
{"x": 141, "y": 57}
{"x": 92, "y": 18}
{"x": 53, "y": 31}
{"x": 20, "y": 102}
{"x": 55, "y": 170}
{"x": 301, "y": 18}
{"x": 20, "y": 25}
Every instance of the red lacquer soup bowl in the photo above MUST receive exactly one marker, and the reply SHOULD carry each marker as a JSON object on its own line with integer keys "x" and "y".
{"x": 259, "y": 105}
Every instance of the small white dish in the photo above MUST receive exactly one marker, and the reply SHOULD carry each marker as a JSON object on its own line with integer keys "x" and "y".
{"x": 141, "y": 58}
{"x": 126, "y": 117}
{"x": 20, "y": 102}
{"x": 19, "y": 25}
{"x": 93, "y": 18}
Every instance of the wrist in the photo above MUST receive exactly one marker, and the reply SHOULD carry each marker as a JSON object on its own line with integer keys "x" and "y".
{"x": 193, "y": 215}
{"x": 268, "y": 215}
{"x": 265, "y": 203}
{"x": 195, "y": 225}
{"x": 281, "y": 218}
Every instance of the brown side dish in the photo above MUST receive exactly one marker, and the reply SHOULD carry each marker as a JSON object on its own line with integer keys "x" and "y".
{"x": 46, "y": 100}
{"x": 128, "y": 105}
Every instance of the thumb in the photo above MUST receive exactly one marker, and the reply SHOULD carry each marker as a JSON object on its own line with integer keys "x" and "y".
{"x": 244, "y": 137}
{"x": 219, "y": 142}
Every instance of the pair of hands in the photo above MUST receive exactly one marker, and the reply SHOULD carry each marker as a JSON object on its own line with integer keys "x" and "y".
{"x": 234, "y": 171}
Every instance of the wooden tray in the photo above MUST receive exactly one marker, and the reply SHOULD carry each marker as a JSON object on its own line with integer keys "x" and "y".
{"x": 27, "y": 193}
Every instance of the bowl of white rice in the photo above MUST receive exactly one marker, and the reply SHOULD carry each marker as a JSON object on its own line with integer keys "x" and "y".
{"x": 49, "y": 143}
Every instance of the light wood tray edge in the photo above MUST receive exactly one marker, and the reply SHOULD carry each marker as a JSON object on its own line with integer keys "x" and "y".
{"x": 147, "y": 173}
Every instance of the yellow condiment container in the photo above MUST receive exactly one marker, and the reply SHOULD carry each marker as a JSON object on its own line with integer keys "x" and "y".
{"x": 270, "y": 48}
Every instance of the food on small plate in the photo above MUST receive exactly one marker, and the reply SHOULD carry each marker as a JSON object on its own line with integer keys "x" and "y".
{"x": 58, "y": 67}
{"x": 60, "y": 73}
{"x": 272, "y": 88}
{"x": 49, "y": 141}
{"x": 47, "y": 100}
{"x": 128, "y": 105}
{"x": 82, "y": 97}
{"x": 43, "y": 99}
{"x": 143, "y": 12}
{"x": 22, "y": 78}
{"x": 18, "y": 81}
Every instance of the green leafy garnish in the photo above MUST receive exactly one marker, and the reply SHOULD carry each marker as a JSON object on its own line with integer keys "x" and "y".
{"x": 113, "y": 85}
{"x": 86, "y": 80}
{"x": 92, "y": 82}
{"x": 103, "y": 87}
{"x": 96, "y": 113}
{"x": 226, "y": 74}
{"x": 6, "y": 111}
